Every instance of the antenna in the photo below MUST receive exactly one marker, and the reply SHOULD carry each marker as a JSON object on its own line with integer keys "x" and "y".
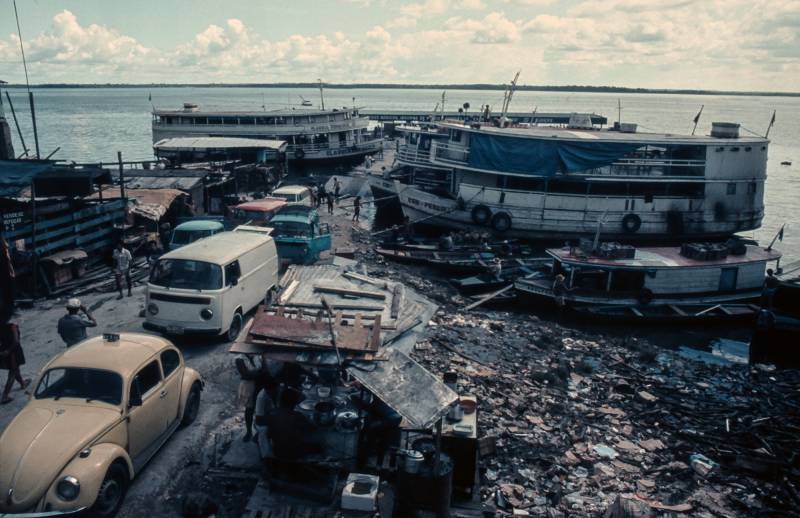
{"x": 321, "y": 95}
{"x": 27, "y": 82}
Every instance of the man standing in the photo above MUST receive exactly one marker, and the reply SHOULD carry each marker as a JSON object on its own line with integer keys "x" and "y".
{"x": 356, "y": 208}
{"x": 72, "y": 326}
{"x": 336, "y": 188}
{"x": 122, "y": 267}
{"x": 11, "y": 358}
{"x": 330, "y": 203}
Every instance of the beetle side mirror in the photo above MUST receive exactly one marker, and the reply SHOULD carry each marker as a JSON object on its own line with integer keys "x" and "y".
{"x": 234, "y": 281}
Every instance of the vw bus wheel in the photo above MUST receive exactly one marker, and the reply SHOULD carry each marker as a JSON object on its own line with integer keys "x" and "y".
{"x": 111, "y": 493}
{"x": 235, "y": 328}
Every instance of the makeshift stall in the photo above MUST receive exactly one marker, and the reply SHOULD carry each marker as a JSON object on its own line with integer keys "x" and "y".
{"x": 346, "y": 419}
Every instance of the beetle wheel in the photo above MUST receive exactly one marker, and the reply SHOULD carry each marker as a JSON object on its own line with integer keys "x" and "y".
{"x": 111, "y": 493}
{"x": 192, "y": 406}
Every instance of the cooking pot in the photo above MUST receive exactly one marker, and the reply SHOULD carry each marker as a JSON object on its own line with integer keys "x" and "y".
{"x": 412, "y": 461}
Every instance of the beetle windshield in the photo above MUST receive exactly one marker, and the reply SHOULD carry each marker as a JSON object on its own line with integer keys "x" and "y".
{"x": 186, "y": 274}
{"x": 88, "y": 384}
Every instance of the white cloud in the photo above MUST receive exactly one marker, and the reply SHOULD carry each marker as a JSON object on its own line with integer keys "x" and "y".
{"x": 655, "y": 43}
{"x": 493, "y": 28}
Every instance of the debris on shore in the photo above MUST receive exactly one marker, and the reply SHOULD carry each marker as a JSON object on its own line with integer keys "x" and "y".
{"x": 572, "y": 423}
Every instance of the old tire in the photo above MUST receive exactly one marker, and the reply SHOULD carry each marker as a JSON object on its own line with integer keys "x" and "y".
{"x": 501, "y": 222}
{"x": 236, "y": 326}
{"x": 631, "y": 223}
{"x": 481, "y": 214}
{"x": 192, "y": 406}
{"x": 111, "y": 493}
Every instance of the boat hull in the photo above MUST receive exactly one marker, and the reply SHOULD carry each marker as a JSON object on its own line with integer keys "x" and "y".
{"x": 569, "y": 218}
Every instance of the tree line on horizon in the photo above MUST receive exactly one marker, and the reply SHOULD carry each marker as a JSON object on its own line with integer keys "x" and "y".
{"x": 470, "y": 86}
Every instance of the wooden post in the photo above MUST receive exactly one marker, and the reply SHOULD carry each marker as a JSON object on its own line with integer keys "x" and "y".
{"x": 35, "y": 266}
{"x": 33, "y": 117}
{"x": 121, "y": 176}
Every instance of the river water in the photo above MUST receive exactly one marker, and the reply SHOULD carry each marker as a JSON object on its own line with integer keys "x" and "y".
{"x": 92, "y": 124}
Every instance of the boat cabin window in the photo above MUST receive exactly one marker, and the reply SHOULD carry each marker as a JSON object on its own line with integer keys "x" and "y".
{"x": 566, "y": 186}
{"x": 230, "y": 120}
{"x": 627, "y": 280}
{"x": 455, "y": 135}
{"x": 215, "y": 120}
{"x": 247, "y": 120}
{"x": 521, "y": 183}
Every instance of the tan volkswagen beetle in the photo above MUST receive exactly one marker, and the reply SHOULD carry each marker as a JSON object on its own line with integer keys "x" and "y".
{"x": 100, "y": 411}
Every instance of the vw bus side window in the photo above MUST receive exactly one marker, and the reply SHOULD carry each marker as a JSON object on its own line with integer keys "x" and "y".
{"x": 232, "y": 273}
{"x": 186, "y": 274}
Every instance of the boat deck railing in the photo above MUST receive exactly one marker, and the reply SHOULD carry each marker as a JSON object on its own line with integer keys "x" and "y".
{"x": 449, "y": 154}
{"x": 374, "y": 144}
{"x": 412, "y": 155}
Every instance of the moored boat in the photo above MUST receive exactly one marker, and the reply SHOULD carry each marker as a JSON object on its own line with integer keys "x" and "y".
{"x": 670, "y": 313}
{"x": 658, "y": 276}
{"x": 540, "y": 182}
{"x": 490, "y": 281}
{"x": 310, "y": 134}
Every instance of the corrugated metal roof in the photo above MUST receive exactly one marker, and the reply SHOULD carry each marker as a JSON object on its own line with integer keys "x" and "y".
{"x": 17, "y": 175}
{"x": 197, "y": 143}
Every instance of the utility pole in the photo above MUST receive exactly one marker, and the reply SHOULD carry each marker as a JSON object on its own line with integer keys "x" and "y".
{"x": 321, "y": 96}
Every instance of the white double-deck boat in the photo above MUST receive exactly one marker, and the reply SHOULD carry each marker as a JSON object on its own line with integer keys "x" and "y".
{"x": 656, "y": 276}
{"x": 311, "y": 134}
{"x": 558, "y": 182}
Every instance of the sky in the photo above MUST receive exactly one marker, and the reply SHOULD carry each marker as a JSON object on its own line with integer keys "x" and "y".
{"x": 700, "y": 44}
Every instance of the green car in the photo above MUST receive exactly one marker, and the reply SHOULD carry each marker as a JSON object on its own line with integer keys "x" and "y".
{"x": 298, "y": 234}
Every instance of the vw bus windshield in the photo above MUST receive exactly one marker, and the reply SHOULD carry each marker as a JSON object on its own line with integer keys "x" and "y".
{"x": 291, "y": 229}
{"x": 88, "y": 384}
{"x": 186, "y": 274}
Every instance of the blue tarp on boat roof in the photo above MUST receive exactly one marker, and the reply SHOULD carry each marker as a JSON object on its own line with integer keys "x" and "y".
{"x": 16, "y": 175}
{"x": 542, "y": 157}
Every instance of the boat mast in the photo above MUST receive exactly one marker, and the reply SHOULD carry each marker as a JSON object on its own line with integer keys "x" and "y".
{"x": 321, "y": 95}
{"x": 444, "y": 94}
{"x": 507, "y": 98}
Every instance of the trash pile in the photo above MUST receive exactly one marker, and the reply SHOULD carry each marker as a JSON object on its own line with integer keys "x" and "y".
{"x": 587, "y": 424}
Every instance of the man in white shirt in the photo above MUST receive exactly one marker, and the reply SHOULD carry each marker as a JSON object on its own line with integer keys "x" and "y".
{"x": 122, "y": 267}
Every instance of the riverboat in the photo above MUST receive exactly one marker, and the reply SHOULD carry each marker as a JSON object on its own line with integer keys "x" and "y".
{"x": 649, "y": 276}
{"x": 540, "y": 182}
{"x": 311, "y": 134}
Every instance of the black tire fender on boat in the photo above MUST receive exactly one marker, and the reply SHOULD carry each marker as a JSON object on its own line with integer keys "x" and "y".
{"x": 501, "y": 222}
{"x": 645, "y": 297}
{"x": 481, "y": 214}
{"x": 460, "y": 203}
{"x": 631, "y": 223}
{"x": 299, "y": 153}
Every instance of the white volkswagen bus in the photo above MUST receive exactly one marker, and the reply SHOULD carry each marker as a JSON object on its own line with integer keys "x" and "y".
{"x": 208, "y": 286}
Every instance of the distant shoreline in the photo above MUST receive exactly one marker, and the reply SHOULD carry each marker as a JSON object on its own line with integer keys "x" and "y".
{"x": 387, "y": 86}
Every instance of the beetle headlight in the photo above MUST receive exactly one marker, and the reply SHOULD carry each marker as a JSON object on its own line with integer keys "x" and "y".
{"x": 206, "y": 313}
{"x": 68, "y": 488}
{"x": 152, "y": 309}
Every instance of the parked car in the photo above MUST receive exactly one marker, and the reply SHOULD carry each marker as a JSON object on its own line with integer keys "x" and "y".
{"x": 299, "y": 235}
{"x": 208, "y": 286}
{"x": 294, "y": 194}
{"x": 190, "y": 231}
{"x": 101, "y": 410}
{"x": 258, "y": 212}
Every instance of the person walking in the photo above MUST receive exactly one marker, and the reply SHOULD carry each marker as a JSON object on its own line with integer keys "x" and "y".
{"x": 337, "y": 186}
{"x": 330, "y": 203}
{"x": 322, "y": 195}
{"x": 72, "y": 326}
{"x": 559, "y": 290}
{"x": 11, "y": 359}
{"x": 122, "y": 267}
{"x": 356, "y": 208}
